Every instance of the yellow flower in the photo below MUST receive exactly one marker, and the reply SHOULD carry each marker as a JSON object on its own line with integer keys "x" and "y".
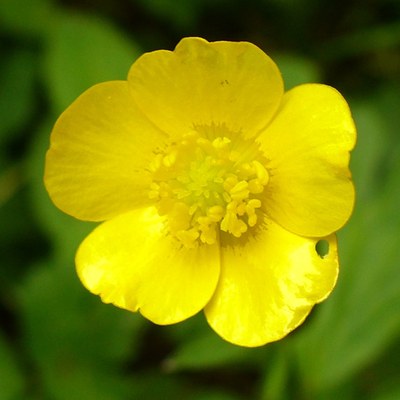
{"x": 215, "y": 187}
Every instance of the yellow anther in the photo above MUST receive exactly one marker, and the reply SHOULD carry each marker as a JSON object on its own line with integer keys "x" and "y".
{"x": 215, "y": 213}
{"x": 169, "y": 159}
{"x": 252, "y": 220}
{"x": 203, "y": 185}
{"x": 246, "y": 169}
{"x": 226, "y": 223}
{"x": 261, "y": 172}
{"x": 188, "y": 238}
{"x": 156, "y": 162}
{"x": 204, "y": 221}
{"x": 241, "y": 208}
{"x": 202, "y": 141}
{"x": 218, "y": 179}
{"x": 255, "y": 186}
{"x": 164, "y": 190}
{"x": 232, "y": 206}
{"x": 240, "y": 191}
{"x": 226, "y": 197}
{"x": 238, "y": 227}
{"x": 254, "y": 203}
{"x": 208, "y": 235}
{"x": 230, "y": 182}
{"x": 220, "y": 142}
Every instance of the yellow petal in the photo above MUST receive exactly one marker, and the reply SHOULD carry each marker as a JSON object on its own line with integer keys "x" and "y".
{"x": 269, "y": 284}
{"x": 232, "y": 85}
{"x": 310, "y": 191}
{"x": 100, "y": 147}
{"x": 130, "y": 262}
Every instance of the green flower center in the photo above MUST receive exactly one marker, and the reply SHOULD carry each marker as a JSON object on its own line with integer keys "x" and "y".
{"x": 205, "y": 185}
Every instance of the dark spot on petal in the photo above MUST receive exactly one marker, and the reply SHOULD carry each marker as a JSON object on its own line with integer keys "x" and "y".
{"x": 322, "y": 248}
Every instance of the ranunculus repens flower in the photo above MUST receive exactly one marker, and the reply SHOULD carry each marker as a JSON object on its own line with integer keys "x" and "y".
{"x": 213, "y": 187}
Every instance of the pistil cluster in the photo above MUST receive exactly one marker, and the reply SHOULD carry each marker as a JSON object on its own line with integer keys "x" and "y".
{"x": 206, "y": 185}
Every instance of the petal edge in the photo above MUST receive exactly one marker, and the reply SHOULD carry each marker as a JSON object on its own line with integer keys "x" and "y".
{"x": 268, "y": 286}
{"x": 130, "y": 262}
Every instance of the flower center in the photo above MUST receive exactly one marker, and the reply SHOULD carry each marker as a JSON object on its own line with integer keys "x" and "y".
{"x": 205, "y": 185}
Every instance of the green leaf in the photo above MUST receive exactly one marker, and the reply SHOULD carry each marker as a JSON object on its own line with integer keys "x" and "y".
{"x": 368, "y": 157}
{"x": 82, "y": 51}
{"x": 388, "y": 394}
{"x": 152, "y": 385}
{"x": 181, "y": 13}
{"x": 193, "y": 327}
{"x": 61, "y": 319}
{"x": 79, "y": 381}
{"x": 362, "y": 316}
{"x": 381, "y": 380}
{"x": 373, "y": 39}
{"x": 77, "y": 344}
{"x": 297, "y": 70}
{"x": 209, "y": 394}
{"x": 276, "y": 381}
{"x": 208, "y": 351}
{"x": 17, "y": 102}
{"x": 27, "y": 17}
{"x": 11, "y": 381}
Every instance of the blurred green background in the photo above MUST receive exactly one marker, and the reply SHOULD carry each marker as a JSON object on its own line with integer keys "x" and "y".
{"x": 59, "y": 342}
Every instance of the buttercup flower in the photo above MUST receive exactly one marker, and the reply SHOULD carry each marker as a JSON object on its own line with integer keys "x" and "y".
{"x": 215, "y": 186}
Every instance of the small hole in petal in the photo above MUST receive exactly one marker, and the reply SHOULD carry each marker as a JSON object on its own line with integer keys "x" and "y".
{"x": 322, "y": 248}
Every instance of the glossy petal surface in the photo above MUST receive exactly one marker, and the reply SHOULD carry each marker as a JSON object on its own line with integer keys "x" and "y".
{"x": 269, "y": 284}
{"x": 310, "y": 191}
{"x": 216, "y": 188}
{"x": 130, "y": 262}
{"x": 230, "y": 84}
{"x": 100, "y": 148}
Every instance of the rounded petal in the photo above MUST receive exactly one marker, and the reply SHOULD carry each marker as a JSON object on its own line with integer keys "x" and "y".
{"x": 130, "y": 262}
{"x": 310, "y": 191}
{"x": 269, "y": 284}
{"x": 100, "y": 146}
{"x": 232, "y": 85}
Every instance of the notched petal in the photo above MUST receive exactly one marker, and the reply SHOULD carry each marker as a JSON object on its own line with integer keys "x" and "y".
{"x": 269, "y": 284}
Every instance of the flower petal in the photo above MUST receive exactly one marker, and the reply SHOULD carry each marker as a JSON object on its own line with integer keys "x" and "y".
{"x": 310, "y": 191}
{"x": 100, "y": 146}
{"x": 233, "y": 85}
{"x": 130, "y": 262}
{"x": 269, "y": 284}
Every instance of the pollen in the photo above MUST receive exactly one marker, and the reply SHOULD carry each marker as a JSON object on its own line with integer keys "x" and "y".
{"x": 206, "y": 186}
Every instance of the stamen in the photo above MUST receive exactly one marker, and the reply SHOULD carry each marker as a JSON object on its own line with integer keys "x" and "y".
{"x": 204, "y": 186}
